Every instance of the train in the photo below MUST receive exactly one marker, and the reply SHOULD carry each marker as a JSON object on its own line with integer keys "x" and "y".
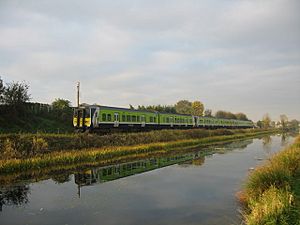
{"x": 89, "y": 118}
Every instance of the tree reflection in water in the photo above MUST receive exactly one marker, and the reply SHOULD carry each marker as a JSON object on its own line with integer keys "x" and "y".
{"x": 14, "y": 195}
{"x": 267, "y": 143}
{"x": 284, "y": 139}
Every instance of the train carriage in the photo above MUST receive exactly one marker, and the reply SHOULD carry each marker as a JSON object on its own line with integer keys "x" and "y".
{"x": 90, "y": 117}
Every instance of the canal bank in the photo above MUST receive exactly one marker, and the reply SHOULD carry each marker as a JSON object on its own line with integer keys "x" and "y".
{"x": 272, "y": 191}
{"x": 195, "y": 187}
{"x": 110, "y": 154}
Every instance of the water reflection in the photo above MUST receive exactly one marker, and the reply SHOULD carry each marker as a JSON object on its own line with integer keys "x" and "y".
{"x": 113, "y": 172}
{"x": 284, "y": 139}
{"x": 14, "y": 195}
{"x": 18, "y": 195}
{"x": 61, "y": 178}
{"x": 267, "y": 143}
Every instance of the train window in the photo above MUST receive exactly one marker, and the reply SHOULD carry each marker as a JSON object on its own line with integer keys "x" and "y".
{"x": 133, "y": 118}
{"x": 104, "y": 117}
{"x": 87, "y": 113}
{"x": 128, "y": 118}
{"x": 154, "y": 119}
{"x": 138, "y": 118}
{"x": 123, "y": 118}
{"x": 151, "y": 119}
{"x": 108, "y": 117}
{"x": 143, "y": 118}
{"x": 168, "y": 120}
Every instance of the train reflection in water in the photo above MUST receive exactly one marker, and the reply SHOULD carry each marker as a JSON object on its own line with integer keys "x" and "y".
{"x": 113, "y": 172}
{"x": 16, "y": 194}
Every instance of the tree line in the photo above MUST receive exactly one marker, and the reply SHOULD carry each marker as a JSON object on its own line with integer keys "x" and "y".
{"x": 14, "y": 102}
{"x": 283, "y": 123}
{"x": 195, "y": 108}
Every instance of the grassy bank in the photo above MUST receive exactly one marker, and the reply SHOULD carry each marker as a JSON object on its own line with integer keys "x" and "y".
{"x": 90, "y": 155}
{"x": 272, "y": 192}
{"x": 22, "y": 146}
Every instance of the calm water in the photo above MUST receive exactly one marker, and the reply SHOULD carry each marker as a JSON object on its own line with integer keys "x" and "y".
{"x": 197, "y": 187}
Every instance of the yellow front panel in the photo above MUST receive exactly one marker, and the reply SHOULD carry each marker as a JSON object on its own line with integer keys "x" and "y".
{"x": 87, "y": 122}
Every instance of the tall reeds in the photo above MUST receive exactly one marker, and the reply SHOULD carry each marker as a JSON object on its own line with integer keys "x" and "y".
{"x": 271, "y": 190}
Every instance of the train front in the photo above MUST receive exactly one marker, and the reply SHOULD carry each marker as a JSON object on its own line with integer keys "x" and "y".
{"x": 81, "y": 118}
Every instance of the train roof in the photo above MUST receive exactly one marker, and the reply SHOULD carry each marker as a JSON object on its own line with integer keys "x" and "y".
{"x": 155, "y": 112}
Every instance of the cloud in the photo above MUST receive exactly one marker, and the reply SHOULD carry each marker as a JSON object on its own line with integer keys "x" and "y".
{"x": 232, "y": 55}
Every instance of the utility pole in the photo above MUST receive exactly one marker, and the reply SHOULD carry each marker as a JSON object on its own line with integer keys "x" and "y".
{"x": 78, "y": 87}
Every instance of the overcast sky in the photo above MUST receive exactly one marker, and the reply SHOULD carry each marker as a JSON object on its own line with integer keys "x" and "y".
{"x": 240, "y": 56}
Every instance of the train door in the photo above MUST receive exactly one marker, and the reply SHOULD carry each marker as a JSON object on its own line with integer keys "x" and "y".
{"x": 172, "y": 121}
{"x": 92, "y": 112}
{"x": 143, "y": 120}
{"x": 195, "y": 124}
{"x": 116, "y": 119}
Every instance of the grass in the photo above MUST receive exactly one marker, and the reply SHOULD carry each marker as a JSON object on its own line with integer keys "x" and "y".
{"x": 272, "y": 191}
{"x": 90, "y": 155}
{"x": 22, "y": 146}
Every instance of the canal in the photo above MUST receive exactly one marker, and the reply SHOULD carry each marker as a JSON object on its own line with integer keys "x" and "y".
{"x": 195, "y": 187}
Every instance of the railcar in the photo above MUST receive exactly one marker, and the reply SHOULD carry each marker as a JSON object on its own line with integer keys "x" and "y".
{"x": 96, "y": 117}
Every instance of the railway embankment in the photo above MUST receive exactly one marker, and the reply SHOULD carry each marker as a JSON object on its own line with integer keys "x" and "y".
{"x": 21, "y": 152}
{"x": 272, "y": 191}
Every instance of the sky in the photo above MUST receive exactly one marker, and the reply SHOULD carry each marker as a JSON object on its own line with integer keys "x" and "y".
{"x": 233, "y": 55}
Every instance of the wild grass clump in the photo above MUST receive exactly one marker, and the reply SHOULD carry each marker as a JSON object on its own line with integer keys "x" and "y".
{"x": 271, "y": 189}
{"x": 275, "y": 206}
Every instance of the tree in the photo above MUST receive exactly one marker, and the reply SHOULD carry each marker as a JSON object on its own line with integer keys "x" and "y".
{"x": 158, "y": 108}
{"x": 283, "y": 121}
{"x": 1, "y": 90}
{"x": 184, "y": 107}
{"x": 131, "y": 106}
{"x": 208, "y": 113}
{"x": 16, "y": 94}
{"x": 266, "y": 121}
{"x": 61, "y": 104}
{"x": 62, "y": 109}
{"x": 224, "y": 115}
{"x": 260, "y": 124}
{"x": 241, "y": 116}
{"x": 294, "y": 124}
{"x": 197, "y": 108}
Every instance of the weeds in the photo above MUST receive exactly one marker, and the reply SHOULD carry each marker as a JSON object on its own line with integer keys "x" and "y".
{"x": 27, "y": 145}
{"x": 271, "y": 190}
{"x": 56, "y": 158}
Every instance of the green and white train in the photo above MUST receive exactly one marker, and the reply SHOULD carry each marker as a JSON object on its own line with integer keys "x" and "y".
{"x": 97, "y": 117}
